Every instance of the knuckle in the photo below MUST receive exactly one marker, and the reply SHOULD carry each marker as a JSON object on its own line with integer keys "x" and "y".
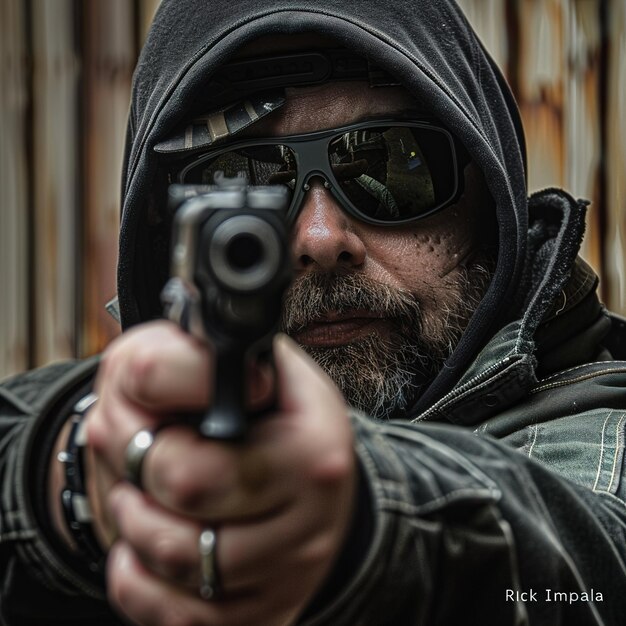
{"x": 113, "y": 356}
{"x": 334, "y": 467}
{"x": 169, "y": 555}
{"x": 140, "y": 371}
{"x": 187, "y": 474}
{"x": 132, "y": 358}
{"x": 180, "y": 486}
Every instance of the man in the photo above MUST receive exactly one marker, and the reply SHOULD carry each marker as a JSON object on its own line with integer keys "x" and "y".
{"x": 424, "y": 291}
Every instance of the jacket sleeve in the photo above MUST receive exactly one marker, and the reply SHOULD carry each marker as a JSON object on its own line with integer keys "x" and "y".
{"x": 466, "y": 530}
{"x": 37, "y": 576}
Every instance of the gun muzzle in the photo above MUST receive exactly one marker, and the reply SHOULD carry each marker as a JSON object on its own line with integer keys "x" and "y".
{"x": 244, "y": 253}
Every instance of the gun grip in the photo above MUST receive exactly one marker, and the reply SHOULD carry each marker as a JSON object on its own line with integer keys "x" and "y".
{"x": 226, "y": 418}
{"x": 224, "y": 425}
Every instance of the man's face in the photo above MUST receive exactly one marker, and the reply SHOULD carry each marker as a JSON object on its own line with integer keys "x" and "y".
{"x": 380, "y": 308}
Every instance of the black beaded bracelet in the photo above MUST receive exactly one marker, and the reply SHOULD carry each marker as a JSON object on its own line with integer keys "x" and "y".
{"x": 74, "y": 498}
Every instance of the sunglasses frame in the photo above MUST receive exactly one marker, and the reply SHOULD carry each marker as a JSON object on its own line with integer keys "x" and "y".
{"x": 309, "y": 147}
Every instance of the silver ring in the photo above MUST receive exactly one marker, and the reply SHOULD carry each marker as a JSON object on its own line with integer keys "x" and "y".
{"x": 209, "y": 580}
{"x": 136, "y": 453}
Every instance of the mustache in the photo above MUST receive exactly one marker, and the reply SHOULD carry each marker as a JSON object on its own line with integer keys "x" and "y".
{"x": 314, "y": 295}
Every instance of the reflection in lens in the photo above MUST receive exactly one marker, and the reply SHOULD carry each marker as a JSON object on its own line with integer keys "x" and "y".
{"x": 408, "y": 173}
{"x": 262, "y": 165}
{"x": 402, "y": 172}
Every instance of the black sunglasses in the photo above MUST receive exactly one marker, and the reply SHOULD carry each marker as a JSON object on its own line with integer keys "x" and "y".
{"x": 384, "y": 172}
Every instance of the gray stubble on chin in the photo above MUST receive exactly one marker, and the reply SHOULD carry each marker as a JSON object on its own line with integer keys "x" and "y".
{"x": 383, "y": 376}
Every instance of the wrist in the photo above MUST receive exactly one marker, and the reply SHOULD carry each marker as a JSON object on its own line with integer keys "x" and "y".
{"x": 34, "y": 485}
{"x": 56, "y": 482}
{"x": 71, "y": 510}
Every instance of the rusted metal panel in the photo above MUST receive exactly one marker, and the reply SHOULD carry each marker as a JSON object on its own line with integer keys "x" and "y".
{"x": 110, "y": 49}
{"x": 615, "y": 242}
{"x": 55, "y": 179}
{"x": 13, "y": 190}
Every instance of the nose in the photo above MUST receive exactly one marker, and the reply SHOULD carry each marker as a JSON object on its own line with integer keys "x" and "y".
{"x": 323, "y": 235}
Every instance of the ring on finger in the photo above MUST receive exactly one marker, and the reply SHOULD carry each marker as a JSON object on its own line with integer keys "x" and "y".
{"x": 209, "y": 579}
{"x": 136, "y": 453}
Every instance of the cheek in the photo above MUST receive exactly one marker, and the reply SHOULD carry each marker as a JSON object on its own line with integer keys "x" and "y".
{"x": 442, "y": 250}
{"x": 421, "y": 260}
{"x": 444, "y": 241}
{"x": 428, "y": 257}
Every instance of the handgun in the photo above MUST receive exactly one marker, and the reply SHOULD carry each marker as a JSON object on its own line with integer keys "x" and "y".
{"x": 230, "y": 267}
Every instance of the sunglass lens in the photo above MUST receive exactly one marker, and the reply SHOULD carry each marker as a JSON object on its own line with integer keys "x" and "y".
{"x": 394, "y": 173}
{"x": 263, "y": 165}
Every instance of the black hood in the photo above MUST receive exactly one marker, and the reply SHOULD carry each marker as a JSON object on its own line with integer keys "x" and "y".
{"x": 428, "y": 46}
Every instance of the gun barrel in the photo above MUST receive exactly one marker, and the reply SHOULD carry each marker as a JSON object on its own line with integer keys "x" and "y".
{"x": 243, "y": 251}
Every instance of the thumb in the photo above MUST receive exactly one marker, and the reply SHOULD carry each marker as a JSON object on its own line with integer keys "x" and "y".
{"x": 302, "y": 384}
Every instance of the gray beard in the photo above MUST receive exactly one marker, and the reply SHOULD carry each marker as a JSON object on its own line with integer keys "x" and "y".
{"x": 384, "y": 376}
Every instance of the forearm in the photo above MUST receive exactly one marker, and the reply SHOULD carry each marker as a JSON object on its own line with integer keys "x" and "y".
{"x": 35, "y": 560}
{"x": 450, "y": 509}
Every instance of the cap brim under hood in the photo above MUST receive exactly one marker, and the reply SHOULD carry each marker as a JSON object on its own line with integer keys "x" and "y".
{"x": 428, "y": 46}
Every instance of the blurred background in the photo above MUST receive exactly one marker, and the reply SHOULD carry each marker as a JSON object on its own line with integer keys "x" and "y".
{"x": 65, "y": 85}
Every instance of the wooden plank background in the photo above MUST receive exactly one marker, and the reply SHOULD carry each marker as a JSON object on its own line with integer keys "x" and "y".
{"x": 109, "y": 58}
{"x": 66, "y": 76}
{"x": 615, "y": 249}
{"x": 14, "y": 209}
{"x": 55, "y": 185}
{"x": 566, "y": 63}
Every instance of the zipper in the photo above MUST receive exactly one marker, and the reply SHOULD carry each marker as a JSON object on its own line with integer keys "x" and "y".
{"x": 460, "y": 391}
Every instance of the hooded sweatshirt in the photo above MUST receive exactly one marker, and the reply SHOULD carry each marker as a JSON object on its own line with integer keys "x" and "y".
{"x": 427, "y": 47}
{"x": 430, "y": 49}
{"x": 449, "y": 527}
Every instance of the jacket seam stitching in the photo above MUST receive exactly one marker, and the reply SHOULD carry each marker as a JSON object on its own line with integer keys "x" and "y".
{"x": 618, "y": 445}
{"x": 570, "y": 381}
{"x": 611, "y": 496}
{"x": 599, "y": 472}
{"x": 575, "y": 368}
{"x": 535, "y": 428}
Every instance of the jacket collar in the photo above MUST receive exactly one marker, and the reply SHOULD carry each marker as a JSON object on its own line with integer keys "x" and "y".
{"x": 558, "y": 321}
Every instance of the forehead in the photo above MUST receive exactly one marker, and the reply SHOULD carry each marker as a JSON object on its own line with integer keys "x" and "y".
{"x": 330, "y": 105}
{"x": 322, "y": 106}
